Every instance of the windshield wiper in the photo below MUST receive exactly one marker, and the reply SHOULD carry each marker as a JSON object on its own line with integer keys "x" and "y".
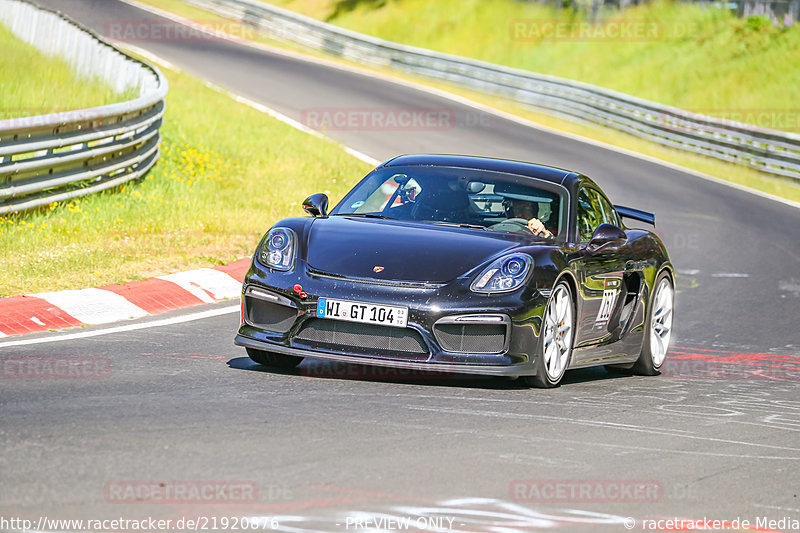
{"x": 363, "y": 215}
{"x": 472, "y": 226}
{"x": 456, "y": 224}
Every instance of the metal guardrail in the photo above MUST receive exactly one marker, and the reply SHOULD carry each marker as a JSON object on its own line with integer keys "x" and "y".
{"x": 57, "y": 156}
{"x": 771, "y": 151}
{"x": 779, "y": 12}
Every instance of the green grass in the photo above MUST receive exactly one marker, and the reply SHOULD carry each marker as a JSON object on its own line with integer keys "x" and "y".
{"x": 321, "y": 8}
{"x": 739, "y": 174}
{"x": 700, "y": 59}
{"x": 223, "y": 178}
{"x": 35, "y": 84}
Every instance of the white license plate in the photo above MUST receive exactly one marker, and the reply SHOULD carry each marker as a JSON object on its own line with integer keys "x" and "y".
{"x": 385, "y": 315}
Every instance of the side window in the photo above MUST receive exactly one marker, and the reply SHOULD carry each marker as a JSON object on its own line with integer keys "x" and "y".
{"x": 590, "y": 214}
{"x": 609, "y": 215}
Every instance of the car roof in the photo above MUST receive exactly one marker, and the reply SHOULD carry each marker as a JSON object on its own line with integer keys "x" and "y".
{"x": 544, "y": 172}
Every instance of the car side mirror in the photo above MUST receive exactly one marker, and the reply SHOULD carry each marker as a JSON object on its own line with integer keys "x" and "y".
{"x": 605, "y": 235}
{"x": 316, "y": 205}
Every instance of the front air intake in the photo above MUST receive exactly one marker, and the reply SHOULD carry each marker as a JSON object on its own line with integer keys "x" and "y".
{"x": 354, "y": 337}
{"x": 471, "y": 338}
{"x": 267, "y": 315}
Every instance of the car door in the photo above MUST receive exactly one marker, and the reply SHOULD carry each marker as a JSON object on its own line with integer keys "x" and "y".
{"x": 599, "y": 275}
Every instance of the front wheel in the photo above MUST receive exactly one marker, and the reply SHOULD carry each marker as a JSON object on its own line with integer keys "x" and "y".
{"x": 658, "y": 328}
{"x": 274, "y": 360}
{"x": 555, "y": 346}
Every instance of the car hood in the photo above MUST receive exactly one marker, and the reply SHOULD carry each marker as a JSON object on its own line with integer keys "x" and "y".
{"x": 407, "y": 251}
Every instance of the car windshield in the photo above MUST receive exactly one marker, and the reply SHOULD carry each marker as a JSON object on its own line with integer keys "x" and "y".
{"x": 482, "y": 199}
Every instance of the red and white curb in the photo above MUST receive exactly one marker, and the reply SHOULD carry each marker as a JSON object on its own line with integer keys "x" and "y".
{"x": 20, "y": 315}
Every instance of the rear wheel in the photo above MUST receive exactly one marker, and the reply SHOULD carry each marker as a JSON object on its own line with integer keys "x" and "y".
{"x": 658, "y": 328}
{"x": 275, "y": 360}
{"x": 555, "y": 347}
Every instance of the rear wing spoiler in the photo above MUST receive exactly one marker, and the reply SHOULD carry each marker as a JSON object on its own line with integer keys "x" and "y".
{"x": 636, "y": 214}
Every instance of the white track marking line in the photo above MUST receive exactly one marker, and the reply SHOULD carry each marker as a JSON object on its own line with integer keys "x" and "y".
{"x": 461, "y": 100}
{"x": 293, "y": 123}
{"x": 127, "y": 327}
{"x": 779, "y": 508}
{"x": 792, "y": 285}
{"x": 277, "y": 115}
{"x": 578, "y": 401}
{"x": 694, "y": 272}
{"x": 149, "y": 56}
{"x": 93, "y": 306}
{"x": 362, "y": 156}
{"x": 597, "y": 423}
{"x": 609, "y": 445}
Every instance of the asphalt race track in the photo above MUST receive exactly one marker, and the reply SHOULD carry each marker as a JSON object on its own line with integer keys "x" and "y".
{"x": 317, "y": 449}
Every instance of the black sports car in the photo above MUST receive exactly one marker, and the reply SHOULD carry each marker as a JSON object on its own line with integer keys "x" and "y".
{"x": 465, "y": 265}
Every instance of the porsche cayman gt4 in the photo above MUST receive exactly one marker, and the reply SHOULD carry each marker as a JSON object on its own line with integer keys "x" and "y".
{"x": 463, "y": 264}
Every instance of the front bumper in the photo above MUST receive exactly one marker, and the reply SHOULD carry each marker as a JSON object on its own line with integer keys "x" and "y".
{"x": 426, "y": 366}
{"x": 430, "y": 309}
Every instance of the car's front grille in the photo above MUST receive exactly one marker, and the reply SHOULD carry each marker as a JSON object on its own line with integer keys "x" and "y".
{"x": 360, "y": 338}
{"x": 471, "y": 338}
{"x": 268, "y": 315}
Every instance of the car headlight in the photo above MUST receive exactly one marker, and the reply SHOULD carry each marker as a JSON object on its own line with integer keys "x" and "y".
{"x": 278, "y": 249}
{"x": 505, "y": 274}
